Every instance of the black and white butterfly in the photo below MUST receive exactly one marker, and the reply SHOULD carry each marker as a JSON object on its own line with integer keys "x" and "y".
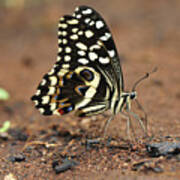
{"x": 87, "y": 76}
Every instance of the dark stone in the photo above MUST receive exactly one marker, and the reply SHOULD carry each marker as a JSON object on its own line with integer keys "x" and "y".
{"x": 157, "y": 169}
{"x": 137, "y": 166}
{"x": 163, "y": 149}
{"x": 55, "y": 163}
{"x": 18, "y": 134}
{"x": 17, "y": 158}
{"x": 67, "y": 164}
{"x": 4, "y": 136}
{"x": 92, "y": 144}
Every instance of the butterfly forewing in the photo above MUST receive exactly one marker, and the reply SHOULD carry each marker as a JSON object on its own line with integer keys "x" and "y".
{"x": 102, "y": 35}
{"x": 87, "y": 72}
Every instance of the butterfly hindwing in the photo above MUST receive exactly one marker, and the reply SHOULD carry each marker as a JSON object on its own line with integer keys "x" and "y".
{"x": 87, "y": 69}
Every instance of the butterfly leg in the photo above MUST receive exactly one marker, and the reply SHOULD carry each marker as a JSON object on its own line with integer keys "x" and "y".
{"x": 145, "y": 114}
{"x": 129, "y": 126}
{"x": 97, "y": 141}
{"x": 106, "y": 125}
{"x": 139, "y": 120}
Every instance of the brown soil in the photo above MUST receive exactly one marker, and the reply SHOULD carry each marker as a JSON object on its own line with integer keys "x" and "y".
{"x": 146, "y": 35}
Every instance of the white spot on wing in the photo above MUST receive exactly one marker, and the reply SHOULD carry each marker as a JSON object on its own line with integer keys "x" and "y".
{"x": 81, "y": 53}
{"x": 87, "y": 11}
{"x": 58, "y": 58}
{"x": 87, "y": 20}
{"x": 78, "y": 16}
{"x": 74, "y": 30}
{"x": 105, "y": 60}
{"x": 100, "y": 43}
{"x": 62, "y": 19}
{"x": 108, "y": 35}
{"x": 60, "y": 49}
{"x": 89, "y": 33}
{"x": 94, "y": 47}
{"x": 91, "y": 23}
{"x": 111, "y": 53}
{"x": 99, "y": 24}
{"x": 64, "y": 33}
{"x": 83, "y": 61}
{"x": 51, "y": 90}
{"x": 80, "y": 33}
{"x": 73, "y": 21}
{"x": 65, "y": 66}
{"x": 105, "y": 37}
{"x": 36, "y": 102}
{"x": 77, "y": 9}
{"x": 92, "y": 56}
{"x": 59, "y": 41}
{"x": 62, "y": 72}
{"x": 62, "y": 25}
{"x": 45, "y": 99}
{"x": 67, "y": 58}
{"x": 55, "y": 65}
{"x": 43, "y": 82}
{"x": 74, "y": 37}
{"x": 53, "y": 80}
{"x": 51, "y": 71}
{"x": 67, "y": 49}
{"x": 81, "y": 46}
{"x": 41, "y": 110}
{"x": 64, "y": 41}
{"x": 55, "y": 112}
{"x": 52, "y": 106}
{"x": 38, "y": 92}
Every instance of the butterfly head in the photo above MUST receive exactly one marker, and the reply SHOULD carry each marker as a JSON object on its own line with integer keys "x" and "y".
{"x": 127, "y": 98}
{"x": 133, "y": 95}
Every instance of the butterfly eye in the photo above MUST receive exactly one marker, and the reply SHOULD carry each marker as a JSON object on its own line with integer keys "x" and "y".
{"x": 133, "y": 95}
{"x": 87, "y": 75}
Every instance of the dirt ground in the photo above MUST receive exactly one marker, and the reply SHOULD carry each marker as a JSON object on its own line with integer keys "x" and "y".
{"x": 36, "y": 147}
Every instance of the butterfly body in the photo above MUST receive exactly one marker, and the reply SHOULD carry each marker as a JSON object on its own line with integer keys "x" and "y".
{"x": 87, "y": 76}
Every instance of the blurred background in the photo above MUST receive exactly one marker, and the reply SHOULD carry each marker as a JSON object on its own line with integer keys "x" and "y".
{"x": 146, "y": 33}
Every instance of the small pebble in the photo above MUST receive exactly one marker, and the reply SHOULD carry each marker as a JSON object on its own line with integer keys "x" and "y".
{"x": 17, "y": 158}
{"x": 92, "y": 143}
{"x": 158, "y": 169}
{"x": 178, "y": 157}
{"x": 18, "y": 134}
{"x": 67, "y": 164}
{"x": 4, "y": 136}
{"x": 163, "y": 149}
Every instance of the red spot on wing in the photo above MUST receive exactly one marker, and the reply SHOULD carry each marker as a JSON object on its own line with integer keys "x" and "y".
{"x": 61, "y": 111}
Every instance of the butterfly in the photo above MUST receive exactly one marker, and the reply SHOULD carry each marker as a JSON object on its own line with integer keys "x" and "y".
{"x": 87, "y": 77}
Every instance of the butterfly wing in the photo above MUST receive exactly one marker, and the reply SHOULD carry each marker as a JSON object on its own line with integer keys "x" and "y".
{"x": 102, "y": 34}
{"x": 87, "y": 72}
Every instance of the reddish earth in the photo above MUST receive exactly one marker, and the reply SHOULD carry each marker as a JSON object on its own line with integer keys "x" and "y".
{"x": 146, "y": 35}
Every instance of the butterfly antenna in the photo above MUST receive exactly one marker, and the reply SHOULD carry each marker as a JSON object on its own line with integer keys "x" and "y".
{"x": 144, "y": 77}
